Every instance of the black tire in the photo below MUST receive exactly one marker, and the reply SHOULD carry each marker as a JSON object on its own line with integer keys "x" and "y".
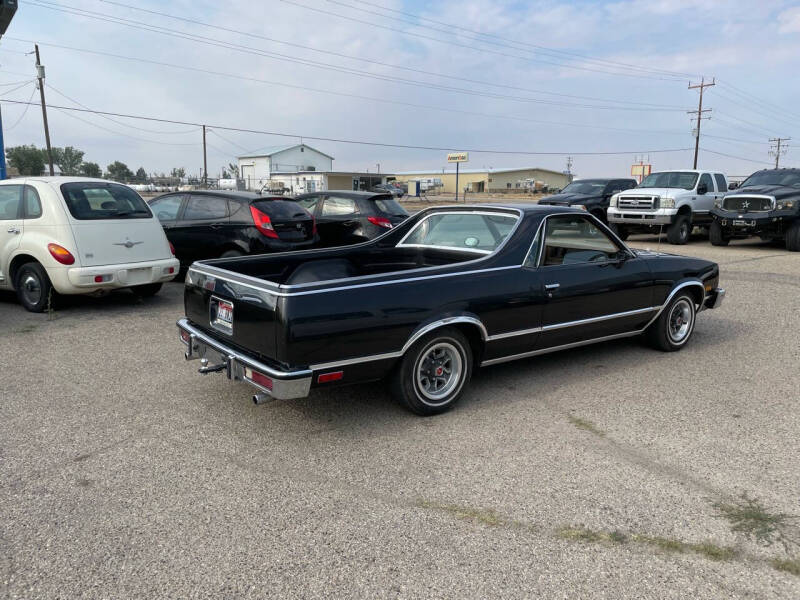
{"x": 429, "y": 358}
{"x": 33, "y": 287}
{"x": 231, "y": 254}
{"x": 679, "y": 232}
{"x": 717, "y": 235}
{"x": 667, "y": 332}
{"x": 793, "y": 237}
{"x": 621, "y": 231}
{"x": 146, "y": 291}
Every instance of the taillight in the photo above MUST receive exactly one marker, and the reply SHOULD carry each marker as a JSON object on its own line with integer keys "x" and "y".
{"x": 380, "y": 222}
{"x": 171, "y": 248}
{"x": 313, "y": 226}
{"x": 258, "y": 378}
{"x": 61, "y": 254}
{"x": 263, "y": 223}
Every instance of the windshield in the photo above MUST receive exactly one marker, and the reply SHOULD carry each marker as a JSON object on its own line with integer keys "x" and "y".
{"x": 672, "y": 179}
{"x": 586, "y": 186}
{"x": 94, "y": 200}
{"x": 785, "y": 178}
{"x": 472, "y": 232}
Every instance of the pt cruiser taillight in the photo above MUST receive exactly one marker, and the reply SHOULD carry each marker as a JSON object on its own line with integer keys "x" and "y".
{"x": 61, "y": 254}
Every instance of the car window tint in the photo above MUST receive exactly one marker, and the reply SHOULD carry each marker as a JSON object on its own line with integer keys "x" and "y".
{"x": 722, "y": 185}
{"x": 89, "y": 201}
{"x": 390, "y": 206}
{"x": 461, "y": 231}
{"x": 705, "y": 178}
{"x": 33, "y": 205}
{"x": 334, "y": 206}
{"x": 167, "y": 208}
{"x": 574, "y": 239}
{"x": 204, "y": 208}
{"x": 309, "y": 203}
{"x": 9, "y": 202}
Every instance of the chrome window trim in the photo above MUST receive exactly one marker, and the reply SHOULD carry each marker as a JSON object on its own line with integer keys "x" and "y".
{"x": 449, "y": 248}
{"x": 418, "y": 224}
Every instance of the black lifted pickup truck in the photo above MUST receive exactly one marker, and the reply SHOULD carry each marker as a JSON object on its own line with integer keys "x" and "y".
{"x": 767, "y": 204}
{"x": 443, "y": 293}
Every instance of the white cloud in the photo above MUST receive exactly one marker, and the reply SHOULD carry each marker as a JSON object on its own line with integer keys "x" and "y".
{"x": 789, "y": 21}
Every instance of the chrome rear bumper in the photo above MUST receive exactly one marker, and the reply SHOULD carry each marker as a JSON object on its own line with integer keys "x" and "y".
{"x": 220, "y": 358}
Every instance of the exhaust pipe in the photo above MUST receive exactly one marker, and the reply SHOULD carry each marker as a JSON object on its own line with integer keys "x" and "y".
{"x": 261, "y": 398}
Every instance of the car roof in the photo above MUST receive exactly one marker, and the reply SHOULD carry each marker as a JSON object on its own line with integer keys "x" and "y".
{"x": 347, "y": 194}
{"x": 528, "y": 209}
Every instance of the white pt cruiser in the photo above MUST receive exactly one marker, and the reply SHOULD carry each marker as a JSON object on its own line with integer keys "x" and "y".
{"x": 73, "y": 235}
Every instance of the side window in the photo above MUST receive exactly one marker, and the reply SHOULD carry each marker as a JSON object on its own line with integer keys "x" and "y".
{"x": 32, "y": 205}
{"x": 722, "y": 185}
{"x": 167, "y": 208}
{"x": 309, "y": 202}
{"x": 10, "y": 196}
{"x": 533, "y": 256}
{"x": 336, "y": 207}
{"x": 705, "y": 178}
{"x": 205, "y": 208}
{"x": 573, "y": 240}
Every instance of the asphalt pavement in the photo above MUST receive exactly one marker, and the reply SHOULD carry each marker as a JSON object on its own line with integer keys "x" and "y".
{"x": 610, "y": 471}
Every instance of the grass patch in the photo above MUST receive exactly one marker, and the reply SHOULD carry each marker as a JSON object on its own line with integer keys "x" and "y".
{"x": 586, "y": 425}
{"x": 29, "y": 328}
{"x": 478, "y": 515}
{"x": 713, "y": 551}
{"x": 789, "y": 565}
{"x": 589, "y": 536}
{"x": 666, "y": 544}
{"x": 749, "y": 517}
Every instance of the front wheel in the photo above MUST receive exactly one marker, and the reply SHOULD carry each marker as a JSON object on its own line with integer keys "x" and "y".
{"x": 678, "y": 233}
{"x": 34, "y": 290}
{"x": 146, "y": 291}
{"x": 434, "y": 372}
{"x": 717, "y": 235}
{"x": 674, "y": 326}
{"x": 621, "y": 231}
{"x": 793, "y": 237}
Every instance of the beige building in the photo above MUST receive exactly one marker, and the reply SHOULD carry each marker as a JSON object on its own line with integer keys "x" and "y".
{"x": 489, "y": 180}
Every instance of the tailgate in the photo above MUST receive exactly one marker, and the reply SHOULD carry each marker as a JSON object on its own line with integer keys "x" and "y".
{"x": 234, "y": 312}
{"x": 120, "y": 241}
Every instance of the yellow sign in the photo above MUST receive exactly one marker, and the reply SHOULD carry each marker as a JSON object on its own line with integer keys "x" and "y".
{"x": 458, "y": 157}
{"x": 640, "y": 170}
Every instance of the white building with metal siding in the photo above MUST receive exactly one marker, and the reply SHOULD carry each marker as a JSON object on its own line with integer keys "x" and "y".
{"x": 257, "y": 170}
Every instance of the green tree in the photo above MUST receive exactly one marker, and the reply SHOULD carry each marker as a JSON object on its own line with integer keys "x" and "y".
{"x": 68, "y": 159}
{"x": 141, "y": 174}
{"x": 119, "y": 171}
{"x": 180, "y": 172}
{"x": 28, "y": 160}
{"x": 90, "y": 169}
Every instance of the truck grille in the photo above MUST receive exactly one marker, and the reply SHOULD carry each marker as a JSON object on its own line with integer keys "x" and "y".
{"x": 747, "y": 204}
{"x": 638, "y": 202}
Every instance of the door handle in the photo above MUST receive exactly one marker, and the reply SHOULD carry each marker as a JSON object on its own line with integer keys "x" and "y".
{"x": 13, "y": 230}
{"x": 552, "y": 286}
{"x": 216, "y": 225}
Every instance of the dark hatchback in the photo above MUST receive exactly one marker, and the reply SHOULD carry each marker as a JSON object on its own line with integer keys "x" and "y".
{"x": 345, "y": 218}
{"x": 593, "y": 195}
{"x": 214, "y": 224}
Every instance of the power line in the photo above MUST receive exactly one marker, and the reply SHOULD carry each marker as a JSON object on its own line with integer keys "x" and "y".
{"x": 376, "y": 62}
{"x": 347, "y": 141}
{"x": 344, "y": 94}
{"x": 326, "y": 66}
{"x": 756, "y": 100}
{"x": 736, "y": 157}
{"x": 779, "y": 149}
{"x": 24, "y": 112}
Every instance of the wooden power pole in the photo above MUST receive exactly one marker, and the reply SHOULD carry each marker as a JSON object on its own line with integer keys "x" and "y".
{"x": 40, "y": 77}
{"x": 205, "y": 160}
{"x": 699, "y": 112}
{"x": 778, "y": 149}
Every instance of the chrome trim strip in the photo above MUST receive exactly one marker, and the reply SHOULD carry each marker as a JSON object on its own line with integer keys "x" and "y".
{"x": 627, "y": 313}
{"x": 515, "y": 333}
{"x": 675, "y": 290}
{"x": 502, "y": 359}
{"x": 419, "y": 223}
{"x": 448, "y": 248}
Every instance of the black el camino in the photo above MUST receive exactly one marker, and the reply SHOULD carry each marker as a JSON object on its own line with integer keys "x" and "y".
{"x": 449, "y": 290}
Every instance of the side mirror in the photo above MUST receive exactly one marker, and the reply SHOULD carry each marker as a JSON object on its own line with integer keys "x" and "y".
{"x": 702, "y": 189}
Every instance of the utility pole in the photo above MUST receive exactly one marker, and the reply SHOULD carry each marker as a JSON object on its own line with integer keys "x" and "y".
{"x": 40, "y": 77}
{"x": 205, "y": 160}
{"x": 778, "y": 149}
{"x": 701, "y": 86}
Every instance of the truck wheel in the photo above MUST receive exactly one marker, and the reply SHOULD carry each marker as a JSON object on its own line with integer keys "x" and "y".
{"x": 678, "y": 233}
{"x": 146, "y": 291}
{"x": 433, "y": 372}
{"x": 621, "y": 231}
{"x": 717, "y": 235}
{"x": 674, "y": 326}
{"x": 33, "y": 286}
{"x": 793, "y": 237}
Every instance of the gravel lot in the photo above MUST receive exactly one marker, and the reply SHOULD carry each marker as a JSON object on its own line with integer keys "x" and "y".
{"x": 612, "y": 471}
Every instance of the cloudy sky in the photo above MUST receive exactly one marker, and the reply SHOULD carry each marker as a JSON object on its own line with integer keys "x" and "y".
{"x": 522, "y": 77}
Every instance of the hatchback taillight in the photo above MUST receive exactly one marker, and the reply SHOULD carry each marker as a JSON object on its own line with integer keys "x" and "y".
{"x": 263, "y": 223}
{"x": 380, "y": 222}
{"x": 171, "y": 248}
{"x": 61, "y": 254}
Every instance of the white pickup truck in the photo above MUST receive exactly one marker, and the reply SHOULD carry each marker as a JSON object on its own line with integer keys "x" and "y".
{"x": 675, "y": 201}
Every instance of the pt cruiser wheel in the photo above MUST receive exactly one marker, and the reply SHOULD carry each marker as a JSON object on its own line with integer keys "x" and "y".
{"x": 434, "y": 372}
{"x": 674, "y": 326}
{"x": 33, "y": 287}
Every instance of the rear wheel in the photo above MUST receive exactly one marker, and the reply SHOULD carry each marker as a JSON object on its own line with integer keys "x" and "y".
{"x": 434, "y": 372}
{"x": 146, "y": 291}
{"x": 793, "y": 237}
{"x": 33, "y": 287}
{"x": 621, "y": 231}
{"x": 717, "y": 235}
{"x": 678, "y": 233}
{"x": 674, "y": 326}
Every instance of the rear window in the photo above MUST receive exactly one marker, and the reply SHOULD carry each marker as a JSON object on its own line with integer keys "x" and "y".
{"x": 474, "y": 232}
{"x": 390, "y": 206}
{"x": 94, "y": 201}
{"x": 280, "y": 209}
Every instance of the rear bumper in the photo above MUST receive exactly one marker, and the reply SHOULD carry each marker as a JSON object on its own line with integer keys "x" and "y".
{"x": 219, "y": 357}
{"x": 662, "y": 216}
{"x": 122, "y": 275}
{"x": 714, "y": 298}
